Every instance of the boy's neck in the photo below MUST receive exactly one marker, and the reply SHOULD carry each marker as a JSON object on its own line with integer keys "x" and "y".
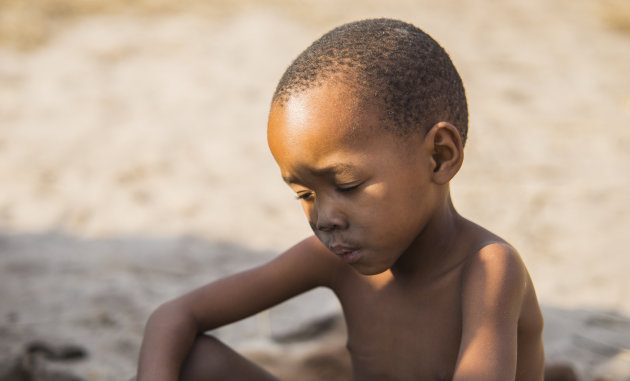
{"x": 434, "y": 251}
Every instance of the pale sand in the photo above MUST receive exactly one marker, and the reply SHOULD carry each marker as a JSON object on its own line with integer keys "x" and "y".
{"x": 134, "y": 166}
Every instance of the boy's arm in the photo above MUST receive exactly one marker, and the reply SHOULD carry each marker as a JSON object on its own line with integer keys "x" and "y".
{"x": 172, "y": 328}
{"x": 494, "y": 287}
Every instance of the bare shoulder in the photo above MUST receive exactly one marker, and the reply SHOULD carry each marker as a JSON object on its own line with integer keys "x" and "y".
{"x": 497, "y": 275}
{"x": 496, "y": 264}
{"x": 497, "y": 283}
{"x": 495, "y": 280}
{"x": 501, "y": 319}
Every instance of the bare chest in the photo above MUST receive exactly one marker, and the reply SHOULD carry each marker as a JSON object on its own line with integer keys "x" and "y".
{"x": 396, "y": 333}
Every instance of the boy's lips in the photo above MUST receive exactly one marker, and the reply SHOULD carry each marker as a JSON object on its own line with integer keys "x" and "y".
{"x": 346, "y": 253}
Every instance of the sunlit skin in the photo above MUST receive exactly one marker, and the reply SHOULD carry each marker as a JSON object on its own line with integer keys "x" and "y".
{"x": 367, "y": 194}
{"x": 382, "y": 203}
{"x": 427, "y": 294}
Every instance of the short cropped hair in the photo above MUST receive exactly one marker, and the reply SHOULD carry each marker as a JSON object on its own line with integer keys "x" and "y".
{"x": 390, "y": 64}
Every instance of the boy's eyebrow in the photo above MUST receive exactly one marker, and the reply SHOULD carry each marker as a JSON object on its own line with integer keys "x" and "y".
{"x": 333, "y": 169}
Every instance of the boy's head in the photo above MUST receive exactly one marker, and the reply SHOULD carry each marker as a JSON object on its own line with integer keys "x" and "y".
{"x": 390, "y": 65}
{"x": 363, "y": 131}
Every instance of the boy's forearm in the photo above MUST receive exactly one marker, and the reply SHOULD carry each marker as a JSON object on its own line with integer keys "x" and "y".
{"x": 168, "y": 337}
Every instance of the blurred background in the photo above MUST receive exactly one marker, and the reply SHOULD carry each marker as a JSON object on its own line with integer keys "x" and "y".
{"x": 134, "y": 164}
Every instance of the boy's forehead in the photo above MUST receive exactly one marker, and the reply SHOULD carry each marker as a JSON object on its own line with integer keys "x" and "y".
{"x": 330, "y": 108}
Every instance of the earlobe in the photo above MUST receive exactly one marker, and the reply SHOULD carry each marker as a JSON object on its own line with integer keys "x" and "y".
{"x": 447, "y": 151}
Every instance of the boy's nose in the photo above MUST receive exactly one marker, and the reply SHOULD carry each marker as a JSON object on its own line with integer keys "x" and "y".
{"x": 325, "y": 227}
{"x": 328, "y": 217}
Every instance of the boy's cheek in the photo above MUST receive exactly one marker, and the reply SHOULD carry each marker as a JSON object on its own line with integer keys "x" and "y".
{"x": 310, "y": 214}
{"x": 379, "y": 194}
{"x": 311, "y": 218}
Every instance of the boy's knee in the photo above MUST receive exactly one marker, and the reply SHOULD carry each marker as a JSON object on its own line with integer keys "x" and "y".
{"x": 207, "y": 359}
{"x": 210, "y": 359}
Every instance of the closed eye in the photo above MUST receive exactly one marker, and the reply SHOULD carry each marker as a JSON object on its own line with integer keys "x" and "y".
{"x": 304, "y": 196}
{"x": 347, "y": 188}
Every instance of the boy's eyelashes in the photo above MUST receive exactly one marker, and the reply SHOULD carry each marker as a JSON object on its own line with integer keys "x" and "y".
{"x": 347, "y": 188}
{"x": 304, "y": 196}
{"x": 308, "y": 195}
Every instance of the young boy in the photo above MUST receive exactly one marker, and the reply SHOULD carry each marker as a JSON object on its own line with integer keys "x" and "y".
{"x": 368, "y": 126}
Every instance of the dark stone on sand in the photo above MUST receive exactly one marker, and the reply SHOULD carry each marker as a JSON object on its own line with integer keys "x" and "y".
{"x": 560, "y": 372}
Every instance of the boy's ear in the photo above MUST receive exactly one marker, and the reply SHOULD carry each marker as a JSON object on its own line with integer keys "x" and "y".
{"x": 447, "y": 151}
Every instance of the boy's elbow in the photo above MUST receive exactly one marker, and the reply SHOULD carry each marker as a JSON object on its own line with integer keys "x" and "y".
{"x": 172, "y": 314}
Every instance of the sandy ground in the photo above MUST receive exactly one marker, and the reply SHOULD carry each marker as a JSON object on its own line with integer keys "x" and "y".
{"x": 133, "y": 166}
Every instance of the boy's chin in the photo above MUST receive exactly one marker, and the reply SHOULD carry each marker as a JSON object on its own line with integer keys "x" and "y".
{"x": 368, "y": 270}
